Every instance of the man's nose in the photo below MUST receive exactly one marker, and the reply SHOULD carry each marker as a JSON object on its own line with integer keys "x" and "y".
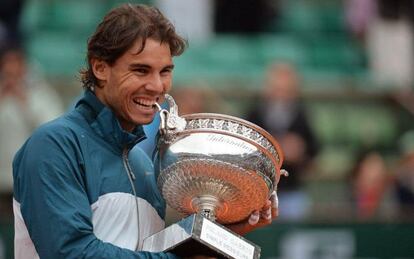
{"x": 155, "y": 84}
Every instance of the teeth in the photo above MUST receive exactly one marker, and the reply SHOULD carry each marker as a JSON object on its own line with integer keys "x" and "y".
{"x": 144, "y": 102}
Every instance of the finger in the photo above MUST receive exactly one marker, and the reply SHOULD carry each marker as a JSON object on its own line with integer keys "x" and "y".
{"x": 266, "y": 206}
{"x": 274, "y": 200}
{"x": 274, "y": 204}
{"x": 254, "y": 218}
{"x": 267, "y": 214}
{"x": 275, "y": 213}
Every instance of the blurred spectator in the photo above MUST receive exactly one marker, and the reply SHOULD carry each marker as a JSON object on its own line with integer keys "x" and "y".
{"x": 10, "y": 11}
{"x": 25, "y": 102}
{"x": 386, "y": 28}
{"x": 281, "y": 113}
{"x": 192, "y": 19}
{"x": 195, "y": 99}
{"x": 245, "y": 16}
{"x": 404, "y": 182}
{"x": 359, "y": 14}
{"x": 370, "y": 182}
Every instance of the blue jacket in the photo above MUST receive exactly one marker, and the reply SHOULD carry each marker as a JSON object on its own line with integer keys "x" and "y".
{"x": 73, "y": 191}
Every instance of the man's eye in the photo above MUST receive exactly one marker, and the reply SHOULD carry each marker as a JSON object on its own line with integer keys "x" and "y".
{"x": 141, "y": 70}
{"x": 166, "y": 71}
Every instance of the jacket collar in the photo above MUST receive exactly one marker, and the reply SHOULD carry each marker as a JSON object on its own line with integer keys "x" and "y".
{"x": 105, "y": 124}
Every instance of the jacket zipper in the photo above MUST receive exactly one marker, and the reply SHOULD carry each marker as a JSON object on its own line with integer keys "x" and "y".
{"x": 131, "y": 178}
{"x": 128, "y": 166}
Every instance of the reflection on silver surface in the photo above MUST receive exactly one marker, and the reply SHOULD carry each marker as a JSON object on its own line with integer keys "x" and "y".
{"x": 219, "y": 165}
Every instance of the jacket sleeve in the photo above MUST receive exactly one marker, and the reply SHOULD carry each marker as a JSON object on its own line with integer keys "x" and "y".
{"x": 54, "y": 203}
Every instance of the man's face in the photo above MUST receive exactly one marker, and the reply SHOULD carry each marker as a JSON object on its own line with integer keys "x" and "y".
{"x": 132, "y": 85}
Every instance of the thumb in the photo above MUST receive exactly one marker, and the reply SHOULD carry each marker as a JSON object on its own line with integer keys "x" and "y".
{"x": 254, "y": 218}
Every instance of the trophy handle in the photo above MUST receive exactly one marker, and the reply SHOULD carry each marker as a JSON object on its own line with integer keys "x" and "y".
{"x": 172, "y": 105}
{"x": 170, "y": 121}
{"x": 284, "y": 172}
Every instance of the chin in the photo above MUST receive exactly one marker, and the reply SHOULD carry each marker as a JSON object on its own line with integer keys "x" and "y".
{"x": 144, "y": 121}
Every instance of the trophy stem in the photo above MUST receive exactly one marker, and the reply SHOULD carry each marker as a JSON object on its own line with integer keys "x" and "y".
{"x": 206, "y": 205}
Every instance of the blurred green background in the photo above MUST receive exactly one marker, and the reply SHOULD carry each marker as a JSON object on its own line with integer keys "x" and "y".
{"x": 348, "y": 112}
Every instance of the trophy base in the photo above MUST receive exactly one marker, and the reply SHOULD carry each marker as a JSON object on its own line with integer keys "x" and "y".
{"x": 196, "y": 235}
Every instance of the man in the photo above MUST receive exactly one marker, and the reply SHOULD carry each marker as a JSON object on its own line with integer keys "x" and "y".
{"x": 79, "y": 192}
{"x": 26, "y": 101}
{"x": 281, "y": 112}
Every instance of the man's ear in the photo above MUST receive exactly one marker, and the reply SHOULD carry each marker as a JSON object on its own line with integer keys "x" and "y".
{"x": 100, "y": 70}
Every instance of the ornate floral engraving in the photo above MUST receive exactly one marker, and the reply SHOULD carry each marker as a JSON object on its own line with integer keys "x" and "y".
{"x": 235, "y": 128}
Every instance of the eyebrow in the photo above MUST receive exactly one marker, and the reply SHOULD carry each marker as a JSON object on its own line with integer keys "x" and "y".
{"x": 139, "y": 65}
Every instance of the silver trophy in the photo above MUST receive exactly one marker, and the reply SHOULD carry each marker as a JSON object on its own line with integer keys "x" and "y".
{"x": 215, "y": 169}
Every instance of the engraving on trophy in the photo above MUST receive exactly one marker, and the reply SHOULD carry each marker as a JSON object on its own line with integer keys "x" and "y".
{"x": 225, "y": 241}
{"x": 231, "y": 142}
{"x": 238, "y": 191}
{"x": 229, "y": 127}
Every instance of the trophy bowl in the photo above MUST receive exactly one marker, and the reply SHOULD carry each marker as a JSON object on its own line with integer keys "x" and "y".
{"x": 216, "y": 170}
{"x": 220, "y": 166}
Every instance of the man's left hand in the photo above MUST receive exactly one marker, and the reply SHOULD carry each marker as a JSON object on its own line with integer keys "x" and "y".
{"x": 258, "y": 219}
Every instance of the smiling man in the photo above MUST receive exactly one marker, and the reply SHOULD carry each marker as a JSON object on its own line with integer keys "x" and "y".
{"x": 81, "y": 189}
{"x": 135, "y": 82}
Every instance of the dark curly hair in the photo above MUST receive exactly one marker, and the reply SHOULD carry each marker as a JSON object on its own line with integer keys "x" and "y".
{"x": 118, "y": 31}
